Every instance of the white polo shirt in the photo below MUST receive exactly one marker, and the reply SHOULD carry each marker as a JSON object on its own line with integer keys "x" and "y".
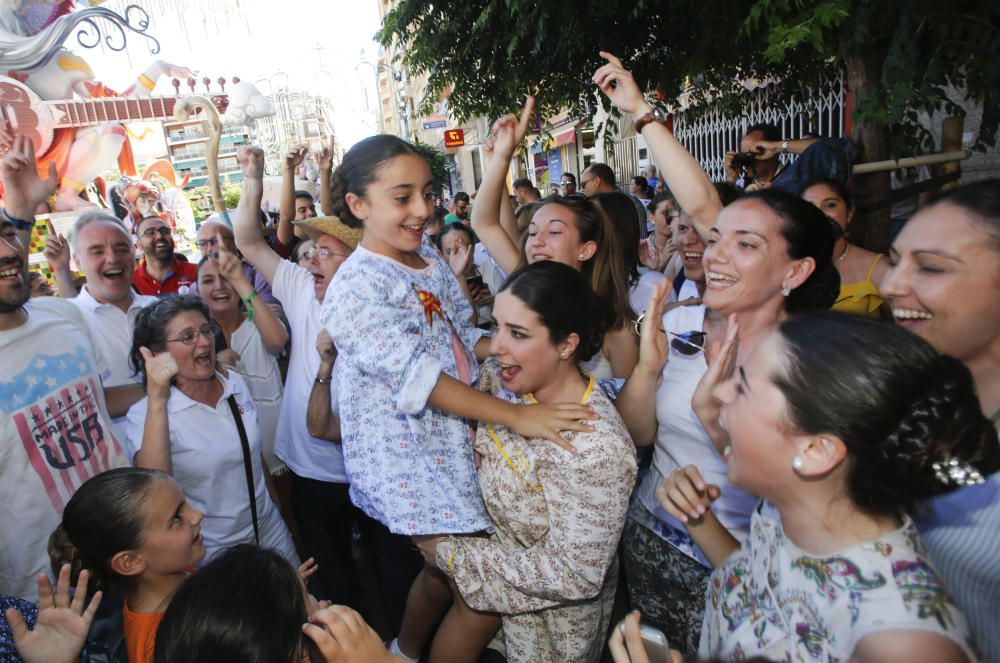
{"x": 307, "y": 456}
{"x": 207, "y": 459}
{"x": 111, "y": 332}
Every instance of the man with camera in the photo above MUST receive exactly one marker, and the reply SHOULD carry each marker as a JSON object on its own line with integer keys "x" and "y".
{"x": 756, "y": 165}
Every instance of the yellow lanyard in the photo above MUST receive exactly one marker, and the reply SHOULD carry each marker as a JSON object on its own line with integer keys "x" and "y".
{"x": 503, "y": 451}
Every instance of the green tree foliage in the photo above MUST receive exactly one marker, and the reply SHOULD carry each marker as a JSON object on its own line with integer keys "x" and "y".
{"x": 495, "y": 51}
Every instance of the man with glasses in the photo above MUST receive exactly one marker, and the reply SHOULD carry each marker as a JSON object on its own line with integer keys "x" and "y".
{"x": 567, "y": 186}
{"x": 160, "y": 272}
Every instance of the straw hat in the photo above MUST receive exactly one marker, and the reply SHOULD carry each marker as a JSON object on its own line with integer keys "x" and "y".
{"x": 332, "y": 226}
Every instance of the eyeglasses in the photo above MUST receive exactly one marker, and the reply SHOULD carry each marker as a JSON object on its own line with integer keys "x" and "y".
{"x": 164, "y": 231}
{"x": 190, "y": 336}
{"x": 322, "y": 253}
{"x": 206, "y": 243}
{"x": 584, "y": 183}
{"x": 567, "y": 183}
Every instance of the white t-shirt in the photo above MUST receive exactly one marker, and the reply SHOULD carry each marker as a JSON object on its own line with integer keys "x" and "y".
{"x": 308, "y": 456}
{"x": 259, "y": 369}
{"x": 55, "y": 433}
{"x": 111, "y": 330}
{"x": 639, "y": 294}
{"x": 207, "y": 459}
{"x": 681, "y": 440}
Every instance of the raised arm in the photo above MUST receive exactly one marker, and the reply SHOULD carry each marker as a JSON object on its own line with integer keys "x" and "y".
{"x": 286, "y": 211}
{"x": 154, "y": 452}
{"x": 688, "y": 181}
{"x": 23, "y": 189}
{"x": 637, "y": 401}
{"x": 246, "y": 227}
{"x": 272, "y": 333}
{"x": 325, "y": 171}
{"x": 57, "y": 254}
{"x": 508, "y": 132}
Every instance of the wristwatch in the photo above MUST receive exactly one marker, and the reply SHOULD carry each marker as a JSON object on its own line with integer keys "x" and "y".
{"x": 17, "y": 223}
{"x": 655, "y": 115}
{"x": 784, "y": 147}
{"x": 323, "y": 380}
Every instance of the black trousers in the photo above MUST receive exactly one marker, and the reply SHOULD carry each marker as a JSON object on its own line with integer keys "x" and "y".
{"x": 325, "y": 517}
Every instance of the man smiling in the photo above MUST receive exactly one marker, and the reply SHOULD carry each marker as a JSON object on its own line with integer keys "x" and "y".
{"x": 160, "y": 272}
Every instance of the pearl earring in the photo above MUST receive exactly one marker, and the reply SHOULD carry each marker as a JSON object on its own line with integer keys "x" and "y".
{"x": 563, "y": 355}
{"x": 798, "y": 463}
{"x": 785, "y": 292}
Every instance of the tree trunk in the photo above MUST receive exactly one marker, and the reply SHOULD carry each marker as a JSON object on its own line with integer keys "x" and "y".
{"x": 870, "y": 228}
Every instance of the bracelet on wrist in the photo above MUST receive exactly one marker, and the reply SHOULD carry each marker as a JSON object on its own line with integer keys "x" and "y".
{"x": 325, "y": 380}
{"x": 17, "y": 223}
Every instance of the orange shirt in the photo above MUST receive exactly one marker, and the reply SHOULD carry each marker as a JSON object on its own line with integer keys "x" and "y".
{"x": 140, "y": 633}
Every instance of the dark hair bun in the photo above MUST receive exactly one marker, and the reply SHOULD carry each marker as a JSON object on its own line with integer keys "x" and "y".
{"x": 62, "y": 551}
{"x": 819, "y": 292}
{"x": 944, "y": 422}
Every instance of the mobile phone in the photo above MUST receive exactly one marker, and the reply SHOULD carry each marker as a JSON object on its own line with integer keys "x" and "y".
{"x": 655, "y": 642}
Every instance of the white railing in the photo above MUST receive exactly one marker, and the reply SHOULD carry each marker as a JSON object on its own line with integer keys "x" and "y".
{"x": 712, "y": 134}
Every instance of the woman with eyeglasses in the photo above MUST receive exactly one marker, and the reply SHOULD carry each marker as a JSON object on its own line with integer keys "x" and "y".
{"x": 199, "y": 424}
{"x": 766, "y": 255}
{"x": 942, "y": 286}
{"x": 254, "y": 335}
{"x": 572, "y": 230}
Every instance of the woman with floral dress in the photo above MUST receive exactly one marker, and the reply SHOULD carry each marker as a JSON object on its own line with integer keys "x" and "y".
{"x": 550, "y": 566}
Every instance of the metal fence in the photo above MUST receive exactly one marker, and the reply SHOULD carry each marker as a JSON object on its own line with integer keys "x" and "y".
{"x": 712, "y": 134}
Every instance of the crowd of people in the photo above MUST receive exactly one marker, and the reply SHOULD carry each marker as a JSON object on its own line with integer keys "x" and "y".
{"x": 691, "y": 421}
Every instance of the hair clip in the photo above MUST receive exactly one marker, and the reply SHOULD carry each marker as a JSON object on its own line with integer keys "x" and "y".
{"x": 957, "y": 472}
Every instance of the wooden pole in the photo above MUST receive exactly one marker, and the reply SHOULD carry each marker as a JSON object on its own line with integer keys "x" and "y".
{"x": 951, "y": 139}
{"x": 951, "y": 158}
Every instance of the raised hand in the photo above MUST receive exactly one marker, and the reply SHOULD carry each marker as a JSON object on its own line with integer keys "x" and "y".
{"x": 160, "y": 372}
{"x": 509, "y": 130}
{"x": 685, "y": 495}
{"x": 342, "y": 636}
{"x": 57, "y": 252}
{"x": 648, "y": 255}
{"x": 24, "y": 189}
{"x": 295, "y": 157}
{"x": 251, "y": 160}
{"x": 721, "y": 368}
{"x": 549, "y": 420}
{"x": 460, "y": 259}
{"x": 62, "y": 624}
{"x": 230, "y": 267}
{"x": 325, "y": 156}
{"x": 654, "y": 348}
{"x": 620, "y": 87}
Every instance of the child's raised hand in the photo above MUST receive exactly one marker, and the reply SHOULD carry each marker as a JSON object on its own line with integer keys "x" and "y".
{"x": 685, "y": 495}
{"x": 342, "y": 636}
{"x": 62, "y": 624}
{"x": 549, "y": 419}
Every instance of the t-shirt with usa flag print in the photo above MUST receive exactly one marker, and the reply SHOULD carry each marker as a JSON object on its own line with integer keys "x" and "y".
{"x": 55, "y": 433}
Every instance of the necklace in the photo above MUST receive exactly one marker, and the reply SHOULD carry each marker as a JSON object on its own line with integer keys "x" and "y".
{"x": 839, "y": 259}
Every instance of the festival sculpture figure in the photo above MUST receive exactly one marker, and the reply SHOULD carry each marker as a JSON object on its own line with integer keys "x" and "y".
{"x": 81, "y": 140}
